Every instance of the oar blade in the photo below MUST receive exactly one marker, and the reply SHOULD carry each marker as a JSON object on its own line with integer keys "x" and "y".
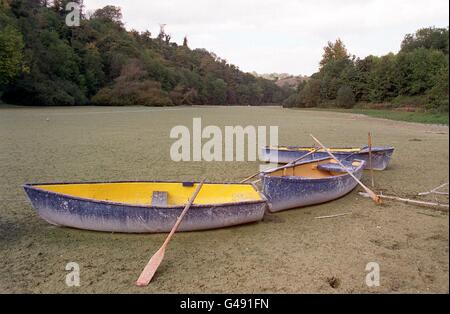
{"x": 150, "y": 269}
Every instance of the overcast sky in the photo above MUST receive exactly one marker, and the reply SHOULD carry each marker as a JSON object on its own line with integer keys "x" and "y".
{"x": 282, "y": 35}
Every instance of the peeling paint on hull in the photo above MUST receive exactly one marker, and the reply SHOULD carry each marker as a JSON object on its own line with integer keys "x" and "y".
{"x": 381, "y": 155}
{"x": 64, "y": 210}
{"x": 291, "y": 192}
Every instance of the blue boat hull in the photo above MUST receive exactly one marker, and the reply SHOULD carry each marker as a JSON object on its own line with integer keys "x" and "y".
{"x": 289, "y": 192}
{"x": 381, "y": 155}
{"x": 63, "y": 210}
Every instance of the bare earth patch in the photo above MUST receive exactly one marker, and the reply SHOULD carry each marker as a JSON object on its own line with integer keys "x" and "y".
{"x": 286, "y": 252}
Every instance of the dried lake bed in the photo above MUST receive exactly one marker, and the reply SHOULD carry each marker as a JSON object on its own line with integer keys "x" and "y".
{"x": 289, "y": 251}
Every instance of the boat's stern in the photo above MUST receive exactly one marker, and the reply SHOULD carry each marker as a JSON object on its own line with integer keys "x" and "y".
{"x": 381, "y": 157}
{"x": 41, "y": 202}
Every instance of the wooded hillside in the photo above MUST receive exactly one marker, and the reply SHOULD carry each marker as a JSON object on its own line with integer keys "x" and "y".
{"x": 45, "y": 62}
{"x": 416, "y": 77}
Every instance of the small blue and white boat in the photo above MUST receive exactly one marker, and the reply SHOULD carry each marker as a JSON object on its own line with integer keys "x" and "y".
{"x": 381, "y": 155}
{"x": 147, "y": 206}
{"x": 309, "y": 182}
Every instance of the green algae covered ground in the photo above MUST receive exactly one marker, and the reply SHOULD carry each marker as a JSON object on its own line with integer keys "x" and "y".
{"x": 289, "y": 251}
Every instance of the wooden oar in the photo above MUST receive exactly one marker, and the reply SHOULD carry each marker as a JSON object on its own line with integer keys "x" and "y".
{"x": 370, "y": 159}
{"x": 150, "y": 269}
{"x": 289, "y": 164}
{"x": 293, "y": 162}
{"x": 353, "y": 154}
{"x": 374, "y": 197}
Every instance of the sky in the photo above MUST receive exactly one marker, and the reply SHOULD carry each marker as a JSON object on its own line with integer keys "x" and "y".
{"x": 282, "y": 36}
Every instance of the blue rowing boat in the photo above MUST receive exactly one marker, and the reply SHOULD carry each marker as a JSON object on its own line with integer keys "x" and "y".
{"x": 309, "y": 182}
{"x": 146, "y": 206}
{"x": 381, "y": 155}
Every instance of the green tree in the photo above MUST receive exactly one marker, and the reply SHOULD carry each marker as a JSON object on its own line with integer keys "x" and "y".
{"x": 417, "y": 70}
{"x": 360, "y": 79}
{"x": 383, "y": 80}
{"x": 438, "y": 98}
{"x": 109, "y": 13}
{"x": 428, "y": 38}
{"x": 335, "y": 67}
{"x": 133, "y": 87}
{"x": 334, "y": 52}
{"x": 216, "y": 90}
{"x": 310, "y": 94}
{"x": 292, "y": 101}
{"x": 92, "y": 68}
{"x": 11, "y": 54}
{"x": 345, "y": 97}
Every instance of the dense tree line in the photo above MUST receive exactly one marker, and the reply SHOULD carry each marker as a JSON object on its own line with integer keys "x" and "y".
{"x": 417, "y": 76}
{"x": 45, "y": 62}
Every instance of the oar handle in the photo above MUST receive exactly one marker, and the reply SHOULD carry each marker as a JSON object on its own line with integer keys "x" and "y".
{"x": 293, "y": 162}
{"x": 352, "y": 154}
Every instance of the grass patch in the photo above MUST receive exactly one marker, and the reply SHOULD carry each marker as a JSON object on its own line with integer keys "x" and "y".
{"x": 419, "y": 117}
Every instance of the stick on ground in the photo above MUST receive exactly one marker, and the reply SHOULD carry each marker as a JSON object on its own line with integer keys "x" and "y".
{"x": 332, "y": 216}
{"x": 435, "y": 190}
{"x": 409, "y": 201}
{"x": 370, "y": 160}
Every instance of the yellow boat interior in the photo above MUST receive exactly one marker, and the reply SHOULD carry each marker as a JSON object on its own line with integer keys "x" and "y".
{"x": 314, "y": 170}
{"x": 157, "y": 193}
